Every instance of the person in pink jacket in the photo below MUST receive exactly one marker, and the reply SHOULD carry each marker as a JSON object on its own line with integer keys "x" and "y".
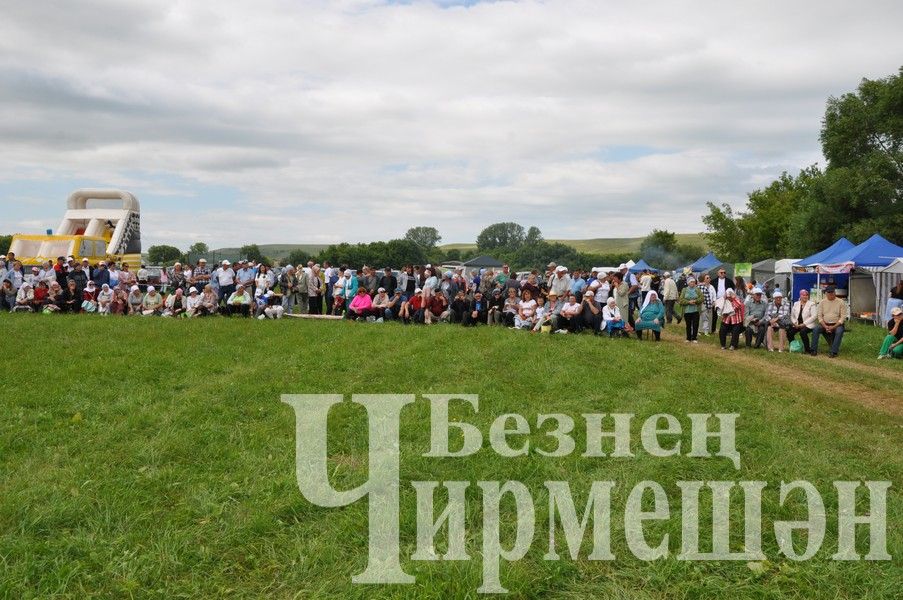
{"x": 361, "y": 305}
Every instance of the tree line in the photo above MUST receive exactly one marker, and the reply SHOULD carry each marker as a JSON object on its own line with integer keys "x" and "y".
{"x": 858, "y": 193}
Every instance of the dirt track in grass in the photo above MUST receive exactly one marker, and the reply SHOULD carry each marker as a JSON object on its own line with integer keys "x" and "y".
{"x": 809, "y": 381}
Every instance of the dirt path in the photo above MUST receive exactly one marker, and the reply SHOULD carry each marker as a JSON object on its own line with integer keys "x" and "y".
{"x": 803, "y": 379}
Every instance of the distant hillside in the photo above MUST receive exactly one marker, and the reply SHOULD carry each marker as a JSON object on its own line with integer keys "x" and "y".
{"x": 274, "y": 251}
{"x": 606, "y": 245}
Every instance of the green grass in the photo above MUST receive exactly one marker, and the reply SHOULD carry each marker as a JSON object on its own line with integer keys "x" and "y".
{"x": 606, "y": 245}
{"x": 153, "y": 457}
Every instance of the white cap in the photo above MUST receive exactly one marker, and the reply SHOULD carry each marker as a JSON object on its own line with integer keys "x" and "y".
{"x": 151, "y": 288}
{"x": 757, "y": 290}
{"x": 417, "y": 291}
{"x": 561, "y": 269}
{"x": 226, "y": 262}
{"x": 778, "y": 294}
{"x": 193, "y": 290}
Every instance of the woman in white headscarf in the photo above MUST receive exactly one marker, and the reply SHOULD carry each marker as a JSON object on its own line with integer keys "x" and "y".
{"x": 104, "y": 299}
{"x": 652, "y": 315}
{"x": 612, "y": 320}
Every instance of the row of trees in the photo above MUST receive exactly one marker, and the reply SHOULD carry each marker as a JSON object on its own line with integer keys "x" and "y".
{"x": 858, "y": 193}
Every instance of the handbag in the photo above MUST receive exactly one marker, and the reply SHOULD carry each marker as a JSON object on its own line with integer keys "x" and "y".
{"x": 796, "y": 346}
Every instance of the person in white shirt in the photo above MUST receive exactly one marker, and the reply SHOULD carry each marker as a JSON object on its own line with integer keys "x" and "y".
{"x": 193, "y": 302}
{"x": 669, "y": 297}
{"x": 611, "y": 318}
{"x": 645, "y": 285}
{"x": 722, "y": 284}
{"x": 225, "y": 276}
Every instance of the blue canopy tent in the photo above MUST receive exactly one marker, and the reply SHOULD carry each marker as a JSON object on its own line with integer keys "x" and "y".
{"x": 642, "y": 266}
{"x": 706, "y": 263}
{"x": 840, "y": 245}
{"x": 860, "y": 270}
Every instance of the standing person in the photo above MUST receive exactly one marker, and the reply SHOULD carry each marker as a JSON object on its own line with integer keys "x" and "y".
{"x": 200, "y": 276}
{"x": 708, "y": 319}
{"x": 560, "y": 282}
{"x": 178, "y": 281}
{"x": 245, "y": 276}
{"x": 264, "y": 280}
{"x": 722, "y": 284}
{"x": 225, "y": 277}
{"x": 114, "y": 275}
{"x": 892, "y": 347}
{"x": 670, "y": 295}
{"x": 621, "y": 293}
{"x": 645, "y": 285}
{"x": 633, "y": 293}
{"x": 691, "y": 300}
{"x": 126, "y": 278}
{"x": 740, "y": 287}
{"x": 832, "y": 314}
{"x": 301, "y": 288}
{"x": 80, "y": 278}
{"x": 732, "y": 315}
{"x": 315, "y": 286}
{"x": 388, "y": 280}
{"x": 777, "y": 317}
{"x": 803, "y": 319}
{"x": 288, "y": 283}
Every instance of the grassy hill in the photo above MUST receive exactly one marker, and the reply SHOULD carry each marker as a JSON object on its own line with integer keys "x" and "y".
{"x": 606, "y": 245}
{"x": 274, "y": 251}
{"x": 177, "y": 477}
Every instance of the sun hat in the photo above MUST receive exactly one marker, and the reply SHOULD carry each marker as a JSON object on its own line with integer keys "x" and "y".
{"x": 192, "y": 290}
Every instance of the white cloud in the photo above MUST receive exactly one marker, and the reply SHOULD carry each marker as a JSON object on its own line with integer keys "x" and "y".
{"x": 355, "y": 120}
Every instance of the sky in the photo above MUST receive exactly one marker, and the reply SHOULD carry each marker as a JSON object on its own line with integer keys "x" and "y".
{"x": 279, "y": 121}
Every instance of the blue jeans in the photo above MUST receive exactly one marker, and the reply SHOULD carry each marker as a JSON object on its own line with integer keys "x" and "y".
{"x": 818, "y": 331}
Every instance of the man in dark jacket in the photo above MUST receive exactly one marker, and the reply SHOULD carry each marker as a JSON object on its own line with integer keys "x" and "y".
{"x": 80, "y": 278}
{"x": 476, "y": 310}
{"x": 388, "y": 281}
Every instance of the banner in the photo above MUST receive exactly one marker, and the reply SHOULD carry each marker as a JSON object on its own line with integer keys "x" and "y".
{"x": 743, "y": 270}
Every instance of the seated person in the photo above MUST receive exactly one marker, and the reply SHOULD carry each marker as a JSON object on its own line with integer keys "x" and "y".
{"x": 754, "y": 321}
{"x": 777, "y": 317}
{"x": 72, "y": 299}
{"x": 893, "y": 341}
{"x": 239, "y": 302}
{"x": 526, "y": 312}
{"x": 193, "y": 302}
{"x": 477, "y": 310}
{"x": 411, "y": 308}
{"x": 360, "y": 306}
{"x": 803, "y": 318}
{"x": 613, "y": 322}
{"x": 209, "y": 302}
{"x": 7, "y": 295}
{"x": 105, "y": 299}
{"x": 381, "y": 303}
{"x": 652, "y": 315}
{"x": 176, "y": 304}
{"x": 435, "y": 308}
{"x": 832, "y": 314}
{"x": 54, "y": 300}
{"x": 509, "y": 308}
{"x": 273, "y": 308}
{"x": 590, "y": 315}
{"x": 153, "y": 302}
{"x": 24, "y": 298}
{"x": 570, "y": 313}
{"x": 136, "y": 300}
{"x": 89, "y": 298}
{"x": 497, "y": 306}
{"x": 457, "y": 307}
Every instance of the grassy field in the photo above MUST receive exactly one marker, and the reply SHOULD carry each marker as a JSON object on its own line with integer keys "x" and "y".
{"x": 153, "y": 457}
{"x": 606, "y": 245}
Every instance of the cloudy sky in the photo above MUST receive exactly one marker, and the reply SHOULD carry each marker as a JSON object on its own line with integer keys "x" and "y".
{"x": 281, "y": 121}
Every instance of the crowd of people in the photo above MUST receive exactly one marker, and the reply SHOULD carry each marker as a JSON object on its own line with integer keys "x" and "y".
{"x": 618, "y": 303}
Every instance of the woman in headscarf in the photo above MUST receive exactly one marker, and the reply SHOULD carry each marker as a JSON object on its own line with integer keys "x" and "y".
{"x": 54, "y": 301}
{"x": 136, "y": 299}
{"x": 120, "y": 303}
{"x": 72, "y": 300}
{"x": 209, "y": 302}
{"x": 652, "y": 315}
{"x": 612, "y": 320}
{"x": 89, "y": 298}
{"x": 691, "y": 301}
{"x": 732, "y": 312}
{"x": 176, "y": 304}
{"x": 153, "y": 302}
{"x": 178, "y": 280}
{"x": 105, "y": 300}
{"x": 24, "y": 298}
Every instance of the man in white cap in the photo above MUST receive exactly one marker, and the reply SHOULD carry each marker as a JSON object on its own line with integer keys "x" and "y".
{"x": 560, "y": 283}
{"x": 777, "y": 317}
{"x": 754, "y": 320}
{"x": 225, "y": 277}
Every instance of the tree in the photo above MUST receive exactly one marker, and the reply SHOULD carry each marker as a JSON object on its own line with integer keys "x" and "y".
{"x": 5, "y": 241}
{"x": 163, "y": 255}
{"x": 252, "y": 252}
{"x": 453, "y": 254}
{"x": 296, "y": 257}
{"x": 199, "y": 248}
{"x": 534, "y": 236}
{"x": 665, "y": 240}
{"x": 501, "y": 236}
{"x": 425, "y": 237}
